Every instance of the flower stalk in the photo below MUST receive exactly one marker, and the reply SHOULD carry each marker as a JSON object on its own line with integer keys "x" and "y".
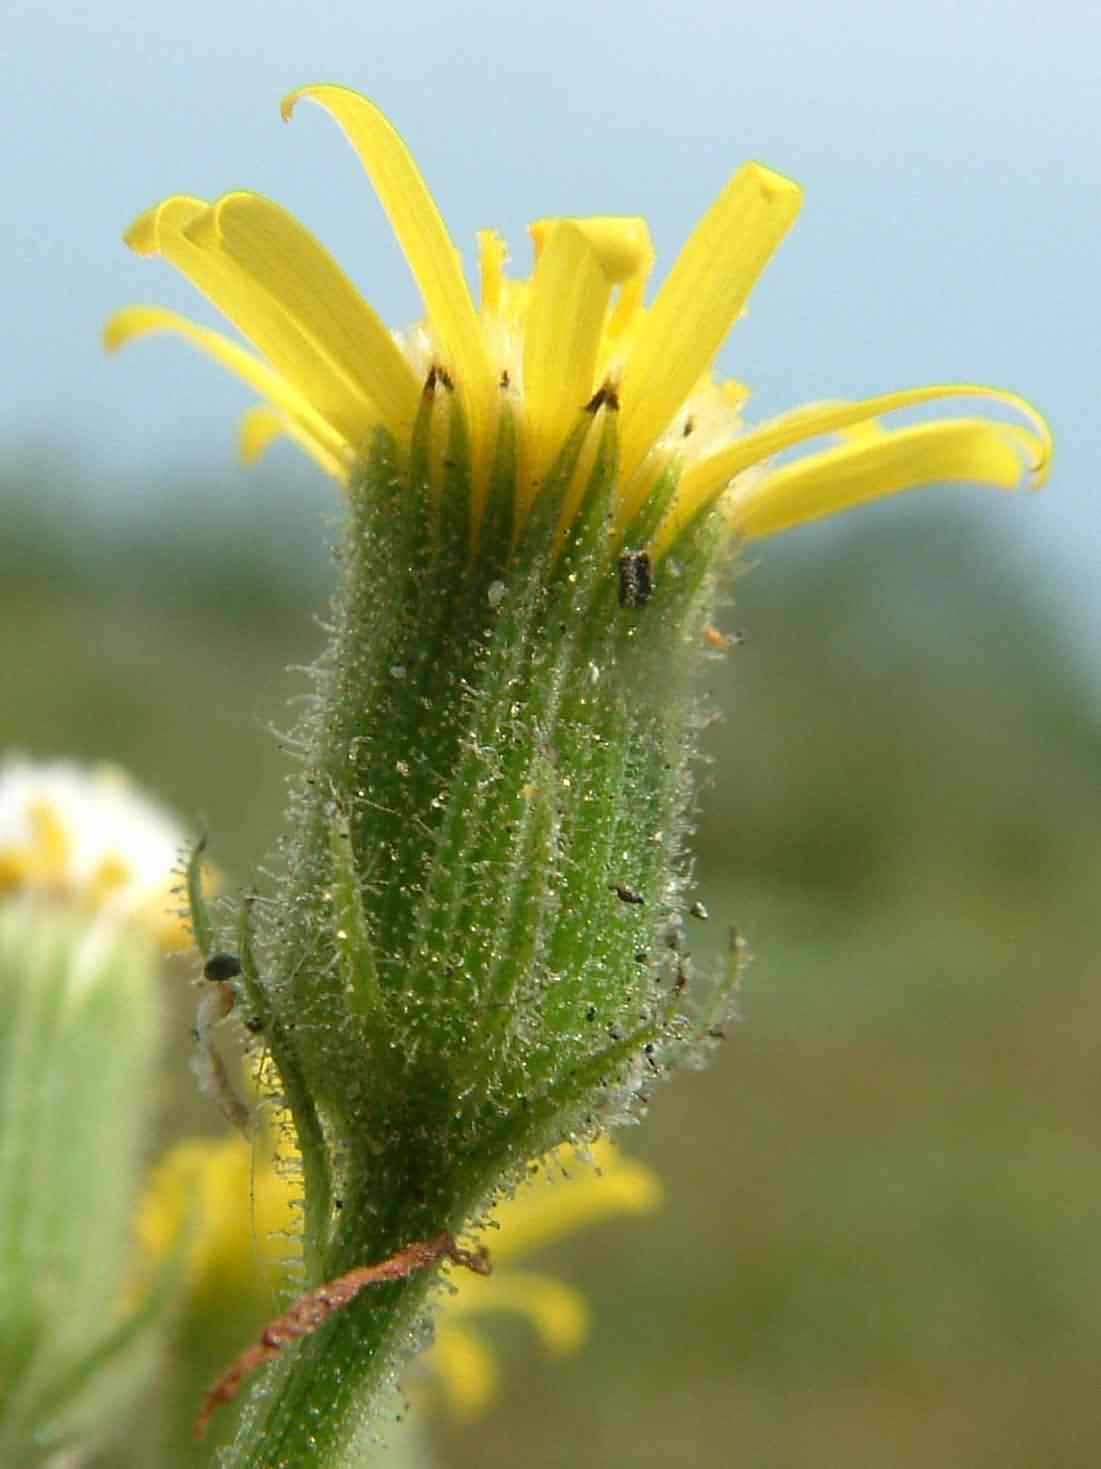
{"x": 474, "y": 953}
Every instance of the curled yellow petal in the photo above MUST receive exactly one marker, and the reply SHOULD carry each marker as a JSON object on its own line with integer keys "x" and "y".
{"x": 565, "y": 319}
{"x": 558, "y": 1313}
{"x": 626, "y": 251}
{"x": 621, "y": 243}
{"x": 700, "y": 301}
{"x": 315, "y": 434}
{"x": 543, "y": 1211}
{"x": 282, "y": 258}
{"x": 289, "y": 343}
{"x": 424, "y": 238}
{"x": 701, "y": 483}
{"x": 872, "y": 466}
{"x": 171, "y": 214}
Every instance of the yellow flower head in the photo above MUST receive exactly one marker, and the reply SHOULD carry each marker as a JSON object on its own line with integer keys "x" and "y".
{"x": 535, "y": 351}
{"x": 87, "y": 836}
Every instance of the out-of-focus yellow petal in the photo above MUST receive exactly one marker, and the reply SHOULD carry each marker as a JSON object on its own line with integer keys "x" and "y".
{"x": 558, "y": 1313}
{"x": 52, "y": 842}
{"x": 869, "y": 467}
{"x": 547, "y": 1210}
{"x": 466, "y": 1370}
{"x": 209, "y": 1184}
{"x": 281, "y": 257}
{"x": 699, "y": 303}
{"x": 702, "y": 482}
{"x": 310, "y": 429}
{"x": 261, "y": 426}
{"x": 432, "y": 256}
{"x": 565, "y": 319}
{"x": 461, "y": 1361}
{"x": 289, "y": 344}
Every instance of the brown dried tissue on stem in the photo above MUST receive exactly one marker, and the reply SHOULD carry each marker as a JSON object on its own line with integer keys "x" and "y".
{"x": 312, "y": 1309}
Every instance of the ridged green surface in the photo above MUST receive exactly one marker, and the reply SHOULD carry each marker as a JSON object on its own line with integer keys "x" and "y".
{"x": 474, "y": 952}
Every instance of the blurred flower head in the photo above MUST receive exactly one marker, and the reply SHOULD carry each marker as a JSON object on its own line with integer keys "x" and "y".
{"x": 87, "y": 836}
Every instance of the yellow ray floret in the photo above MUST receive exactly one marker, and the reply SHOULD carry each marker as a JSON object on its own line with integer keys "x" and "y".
{"x": 331, "y": 372}
{"x": 289, "y": 329}
{"x": 700, "y": 301}
{"x": 865, "y": 466}
{"x": 261, "y": 426}
{"x": 966, "y": 450}
{"x": 569, "y": 302}
{"x": 294, "y": 414}
{"x": 428, "y": 247}
{"x": 284, "y": 262}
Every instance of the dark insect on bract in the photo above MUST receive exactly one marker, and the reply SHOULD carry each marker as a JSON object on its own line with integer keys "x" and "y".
{"x": 636, "y": 579}
{"x": 221, "y": 967}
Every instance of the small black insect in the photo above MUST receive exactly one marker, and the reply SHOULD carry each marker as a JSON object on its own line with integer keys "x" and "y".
{"x": 636, "y": 579}
{"x": 221, "y": 967}
{"x": 626, "y": 894}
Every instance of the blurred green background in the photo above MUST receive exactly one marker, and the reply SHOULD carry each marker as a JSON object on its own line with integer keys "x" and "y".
{"x": 880, "y": 1241}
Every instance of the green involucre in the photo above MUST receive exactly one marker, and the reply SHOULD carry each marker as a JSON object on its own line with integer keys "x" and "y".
{"x": 475, "y": 951}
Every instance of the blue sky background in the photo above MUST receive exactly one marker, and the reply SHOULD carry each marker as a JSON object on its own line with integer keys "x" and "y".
{"x": 949, "y": 153}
